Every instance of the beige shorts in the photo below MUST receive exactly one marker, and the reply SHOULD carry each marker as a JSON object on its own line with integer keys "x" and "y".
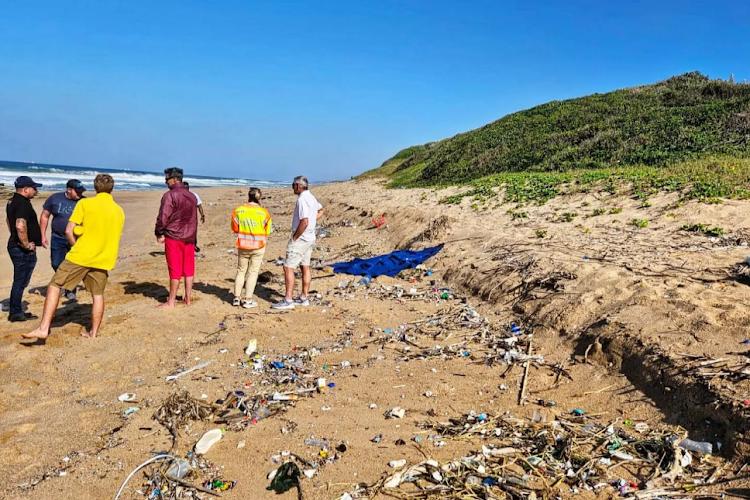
{"x": 68, "y": 276}
{"x": 298, "y": 253}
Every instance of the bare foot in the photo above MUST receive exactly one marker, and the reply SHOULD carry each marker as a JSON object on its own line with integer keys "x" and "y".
{"x": 36, "y": 334}
{"x": 88, "y": 335}
{"x": 165, "y": 305}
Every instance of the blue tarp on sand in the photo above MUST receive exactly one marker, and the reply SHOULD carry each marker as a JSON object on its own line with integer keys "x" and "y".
{"x": 386, "y": 265}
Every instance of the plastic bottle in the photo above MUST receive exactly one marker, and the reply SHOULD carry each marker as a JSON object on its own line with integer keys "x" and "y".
{"x": 179, "y": 469}
{"x": 366, "y": 280}
{"x": 320, "y": 443}
{"x": 277, "y": 396}
{"x": 209, "y": 439}
{"x": 701, "y": 447}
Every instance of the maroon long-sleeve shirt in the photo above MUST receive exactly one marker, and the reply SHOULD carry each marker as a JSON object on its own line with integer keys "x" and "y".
{"x": 178, "y": 216}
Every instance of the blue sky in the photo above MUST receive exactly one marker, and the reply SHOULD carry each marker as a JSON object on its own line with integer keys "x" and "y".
{"x": 328, "y": 89}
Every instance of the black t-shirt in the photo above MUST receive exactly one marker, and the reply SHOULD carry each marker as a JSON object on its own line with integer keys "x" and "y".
{"x": 19, "y": 207}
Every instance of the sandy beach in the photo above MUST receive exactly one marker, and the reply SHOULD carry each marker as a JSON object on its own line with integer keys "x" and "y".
{"x": 630, "y": 304}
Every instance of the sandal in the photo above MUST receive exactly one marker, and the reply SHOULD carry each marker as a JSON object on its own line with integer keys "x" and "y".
{"x": 236, "y": 302}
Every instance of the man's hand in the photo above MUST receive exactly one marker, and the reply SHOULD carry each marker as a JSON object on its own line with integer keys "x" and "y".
{"x": 45, "y": 241}
{"x": 160, "y": 239}
{"x": 203, "y": 219}
{"x": 31, "y": 247}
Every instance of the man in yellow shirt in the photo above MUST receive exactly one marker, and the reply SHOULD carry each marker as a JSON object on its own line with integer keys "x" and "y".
{"x": 98, "y": 223}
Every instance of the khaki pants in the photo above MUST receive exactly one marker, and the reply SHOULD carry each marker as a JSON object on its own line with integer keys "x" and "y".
{"x": 248, "y": 267}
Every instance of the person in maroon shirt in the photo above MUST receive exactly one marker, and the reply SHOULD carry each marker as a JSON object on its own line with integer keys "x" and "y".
{"x": 176, "y": 227}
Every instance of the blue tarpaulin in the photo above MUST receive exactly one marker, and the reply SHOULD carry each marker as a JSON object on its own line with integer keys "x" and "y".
{"x": 386, "y": 265}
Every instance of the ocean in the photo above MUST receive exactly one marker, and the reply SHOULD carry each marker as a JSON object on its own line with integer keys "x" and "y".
{"x": 54, "y": 177}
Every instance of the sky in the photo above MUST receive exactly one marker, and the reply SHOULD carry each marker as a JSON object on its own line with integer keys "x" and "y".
{"x": 328, "y": 89}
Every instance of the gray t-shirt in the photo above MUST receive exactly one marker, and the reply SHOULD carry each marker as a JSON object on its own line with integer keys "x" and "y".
{"x": 61, "y": 207}
{"x": 307, "y": 208}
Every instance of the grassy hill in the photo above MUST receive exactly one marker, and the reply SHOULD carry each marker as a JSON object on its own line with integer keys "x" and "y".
{"x": 682, "y": 119}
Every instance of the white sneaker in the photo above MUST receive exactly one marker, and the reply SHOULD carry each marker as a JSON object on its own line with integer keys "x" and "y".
{"x": 283, "y": 304}
{"x": 236, "y": 302}
{"x": 249, "y": 304}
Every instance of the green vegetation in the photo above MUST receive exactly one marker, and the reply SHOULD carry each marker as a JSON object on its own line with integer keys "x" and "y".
{"x": 703, "y": 228}
{"x": 568, "y": 217}
{"x": 541, "y": 233}
{"x": 687, "y": 134}
{"x": 598, "y": 211}
{"x": 616, "y": 210}
{"x": 639, "y": 222}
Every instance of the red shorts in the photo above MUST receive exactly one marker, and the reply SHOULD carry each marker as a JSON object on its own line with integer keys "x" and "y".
{"x": 180, "y": 258}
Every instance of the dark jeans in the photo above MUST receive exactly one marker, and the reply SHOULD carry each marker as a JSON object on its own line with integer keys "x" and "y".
{"x": 23, "y": 266}
{"x": 58, "y": 249}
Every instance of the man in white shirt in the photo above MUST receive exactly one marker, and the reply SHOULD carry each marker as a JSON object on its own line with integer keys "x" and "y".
{"x": 200, "y": 211}
{"x": 299, "y": 249}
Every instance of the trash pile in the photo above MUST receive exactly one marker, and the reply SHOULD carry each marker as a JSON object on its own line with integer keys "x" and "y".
{"x": 526, "y": 460}
{"x": 178, "y": 409}
{"x": 167, "y": 477}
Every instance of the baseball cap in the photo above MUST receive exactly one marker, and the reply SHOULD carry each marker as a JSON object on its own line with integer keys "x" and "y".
{"x": 26, "y": 181}
{"x": 77, "y": 185}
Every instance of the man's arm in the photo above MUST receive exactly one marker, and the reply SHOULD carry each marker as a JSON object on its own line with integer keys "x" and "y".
{"x": 23, "y": 235}
{"x": 43, "y": 221}
{"x": 203, "y": 216}
{"x": 300, "y": 229}
{"x": 165, "y": 212}
{"x": 69, "y": 233}
{"x": 320, "y": 212}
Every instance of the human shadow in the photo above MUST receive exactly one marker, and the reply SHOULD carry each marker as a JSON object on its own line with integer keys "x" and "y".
{"x": 227, "y": 294}
{"x": 223, "y": 294}
{"x": 156, "y": 253}
{"x": 146, "y": 288}
{"x": 32, "y": 343}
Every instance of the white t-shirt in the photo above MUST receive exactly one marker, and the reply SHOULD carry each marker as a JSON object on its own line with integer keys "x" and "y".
{"x": 307, "y": 208}
{"x": 200, "y": 202}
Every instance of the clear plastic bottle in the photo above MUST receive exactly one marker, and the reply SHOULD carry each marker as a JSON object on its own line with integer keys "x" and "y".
{"x": 320, "y": 443}
{"x": 702, "y": 447}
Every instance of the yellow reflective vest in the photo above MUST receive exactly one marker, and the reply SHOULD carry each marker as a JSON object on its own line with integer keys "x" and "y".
{"x": 252, "y": 224}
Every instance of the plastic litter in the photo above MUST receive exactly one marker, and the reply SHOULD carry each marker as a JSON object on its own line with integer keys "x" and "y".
{"x": 286, "y": 477}
{"x": 209, "y": 439}
{"x": 179, "y": 469}
{"x": 320, "y": 443}
{"x": 397, "y": 464}
{"x": 196, "y": 367}
{"x": 395, "y": 412}
{"x": 700, "y": 447}
{"x": 126, "y": 397}
{"x": 252, "y": 347}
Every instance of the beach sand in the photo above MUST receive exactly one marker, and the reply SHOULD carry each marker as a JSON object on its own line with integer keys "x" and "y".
{"x": 636, "y": 292}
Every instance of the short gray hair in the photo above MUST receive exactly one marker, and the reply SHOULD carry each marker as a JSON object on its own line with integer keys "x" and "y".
{"x": 301, "y": 181}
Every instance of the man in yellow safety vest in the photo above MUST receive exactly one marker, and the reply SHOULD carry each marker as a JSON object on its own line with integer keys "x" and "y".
{"x": 252, "y": 225}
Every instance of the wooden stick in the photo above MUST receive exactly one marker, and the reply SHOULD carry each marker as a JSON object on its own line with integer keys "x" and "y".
{"x": 525, "y": 373}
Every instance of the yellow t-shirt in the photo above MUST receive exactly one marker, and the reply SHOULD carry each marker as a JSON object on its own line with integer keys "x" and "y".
{"x": 102, "y": 220}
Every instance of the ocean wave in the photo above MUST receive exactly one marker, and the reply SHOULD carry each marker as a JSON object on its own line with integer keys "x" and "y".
{"x": 53, "y": 178}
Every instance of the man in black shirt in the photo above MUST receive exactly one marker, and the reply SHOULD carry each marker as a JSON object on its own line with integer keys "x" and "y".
{"x": 25, "y": 236}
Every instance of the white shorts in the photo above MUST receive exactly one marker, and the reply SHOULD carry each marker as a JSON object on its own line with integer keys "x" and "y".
{"x": 298, "y": 253}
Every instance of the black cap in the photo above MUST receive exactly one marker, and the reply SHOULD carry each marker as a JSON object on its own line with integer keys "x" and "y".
{"x": 26, "y": 181}
{"x": 76, "y": 185}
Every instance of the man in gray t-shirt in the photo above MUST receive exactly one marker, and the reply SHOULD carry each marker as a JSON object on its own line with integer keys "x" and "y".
{"x": 299, "y": 249}
{"x": 60, "y": 206}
